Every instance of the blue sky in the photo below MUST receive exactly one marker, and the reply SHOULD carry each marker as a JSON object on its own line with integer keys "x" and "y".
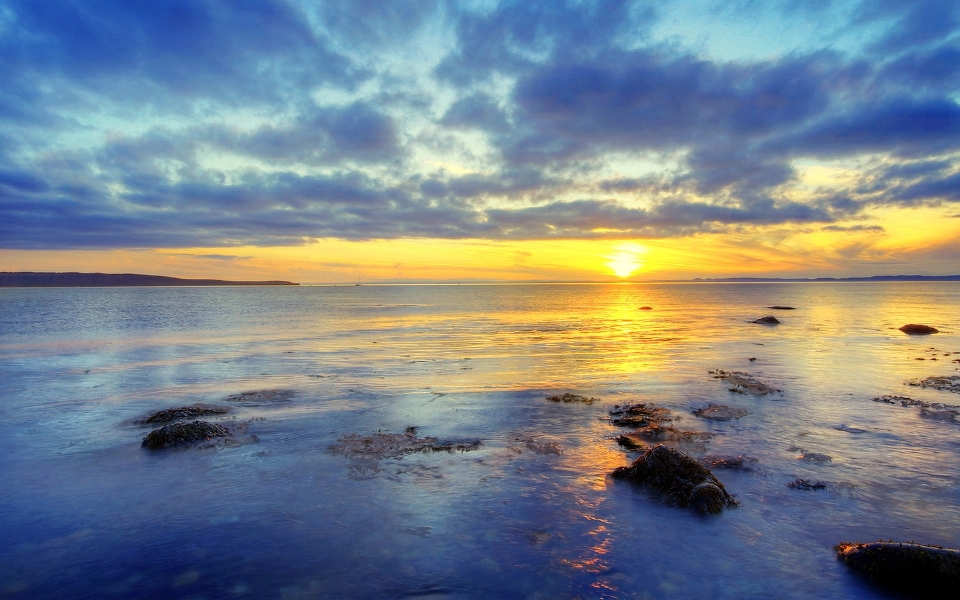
{"x": 209, "y": 124}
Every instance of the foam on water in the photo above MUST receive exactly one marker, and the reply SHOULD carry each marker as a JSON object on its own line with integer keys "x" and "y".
{"x": 86, "y": 513}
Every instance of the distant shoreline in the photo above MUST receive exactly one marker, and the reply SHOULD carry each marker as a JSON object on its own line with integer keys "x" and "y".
{"x": 32, "y": 279}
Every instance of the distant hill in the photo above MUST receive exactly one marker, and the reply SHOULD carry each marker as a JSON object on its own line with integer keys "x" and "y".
{"x": 113, "y": 280}
{"x": 874, "y": 278}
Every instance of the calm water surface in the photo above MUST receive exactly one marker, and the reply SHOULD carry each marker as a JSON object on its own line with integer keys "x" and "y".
{"x": 86, "y": 513}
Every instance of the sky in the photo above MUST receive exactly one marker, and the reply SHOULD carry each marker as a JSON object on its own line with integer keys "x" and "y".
{"x": 394, "y": 141}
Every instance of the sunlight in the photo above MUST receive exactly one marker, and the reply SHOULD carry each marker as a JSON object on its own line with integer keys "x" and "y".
{"x": 625, "y": 261}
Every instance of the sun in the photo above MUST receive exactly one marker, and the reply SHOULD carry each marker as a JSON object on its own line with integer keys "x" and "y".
{"x": 625, "y": 260}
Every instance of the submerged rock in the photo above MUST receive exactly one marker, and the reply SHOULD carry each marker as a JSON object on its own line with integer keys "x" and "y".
{"x": 678, "y": 479}
{"x": 768, "y": 320}
{"x": 659, "y": 433}
{"x": 815, "y": 457}
{"x": 394, "y": 445}
{"x": 720, "y": 412}
{"x": 182, "y": 434}
{"x": 639, "y": 415}
{"x": 262, "y": 396}
{"x": 915, "y": 329}
{"x": 183, "y": 413}
{"x": 946, "y": 384}
{"x": 939, "y": 415}
{"x": 631, "y": 442}
{"x": 568, "y": 398}
{"x": 915, "y": 569}
{"x": 744, "y": 383}
{"x": 732, "y": 463}
{"x": 807, "y": 484}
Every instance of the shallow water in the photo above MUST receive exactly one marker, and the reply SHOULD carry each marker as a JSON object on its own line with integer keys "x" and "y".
{"x": 86, "y": 513}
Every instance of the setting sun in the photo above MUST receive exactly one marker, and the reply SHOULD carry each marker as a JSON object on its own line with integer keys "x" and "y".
{"x": 624, "y": 262}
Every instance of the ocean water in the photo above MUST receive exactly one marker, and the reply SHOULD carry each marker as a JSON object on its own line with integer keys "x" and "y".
{"x": 86, "y": 513}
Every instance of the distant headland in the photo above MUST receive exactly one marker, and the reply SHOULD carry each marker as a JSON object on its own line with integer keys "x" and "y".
{"x": 873, "y": 278}
{"x": 27, "y": 279}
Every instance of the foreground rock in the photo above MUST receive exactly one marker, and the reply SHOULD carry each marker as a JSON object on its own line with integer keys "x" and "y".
{"x": 720, "y": 412}
{"x": 767, "y": 320}
{"x": 915, "y": 569}
{"x": 395, "y": 445}
{"x": 744, "y": 383}
{"x": 183, "y": 434}
{"x": 915, "y": 329}
{"x": 946, "y": 384}
{"x": 183, "y": 413}
{"x": 572, "y": 398}
{"x": 678, "y": 479}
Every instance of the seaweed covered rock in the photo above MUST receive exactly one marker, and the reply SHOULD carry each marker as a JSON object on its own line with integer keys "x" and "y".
{"x": 571, "y": 398}
{"x": 182, "y": 434}
{"x": 915, "y": 569}
{"x": 720, "y": 412}
{"x": 916, "y": 329}
{"x": 767, "y": 320}
{"x": 678, "y": 479}
{"x": 944, "y": 384}
{"x": 183, "y": 413}
{"x": 744, "y": 383}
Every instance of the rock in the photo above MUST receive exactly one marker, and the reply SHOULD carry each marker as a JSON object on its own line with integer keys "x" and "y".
{"x": 639, "y": 415}
{"x": 733, "y": 463}
{"x": 815, "y": 457}
{"x": 678, "y": 479}
{"x": 262, "y": 396}
{"x": 181, "y": 434}
{"x": 914, "y": 329}
{"x": 659, "y": 433}
{"x": 720, "y": 412}
{"x": 804, "y": 484}
{"x": 394, "y": 445}
{"x": 568, "y": 398}
{"x": 744, "y": 383}
{"x": 907, "y": 401}
{"x": 917, "y": 570}
{"x": 183, "y": 413}
{"x": 946, "y": 384}
{"x": 939, "y": 415}
{"x": 848, "y": 429}
{"x": 781, "y": 307}
{"x": 645, "y": 308}
{"x": 768, "y": 320}
{"x": 631, "y": 442}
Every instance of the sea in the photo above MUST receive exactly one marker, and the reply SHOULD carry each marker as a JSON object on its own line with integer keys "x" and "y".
{"x": 525, "y": 506}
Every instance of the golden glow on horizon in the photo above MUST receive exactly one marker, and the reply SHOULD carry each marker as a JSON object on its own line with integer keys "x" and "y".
{"x": 923, "y": 240}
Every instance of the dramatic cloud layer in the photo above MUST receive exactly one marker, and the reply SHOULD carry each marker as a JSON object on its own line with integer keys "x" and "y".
{"x": 222, "y": 123}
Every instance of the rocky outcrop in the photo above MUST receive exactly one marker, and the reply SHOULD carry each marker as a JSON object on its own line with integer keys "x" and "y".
{"x": 183, "y": 434}
{"x": 678, "y": 479}
{"x": 914, "y": 569}
{"x": 767, "y": 320}
{"x": 945, "y": 384}
{"x": 915, "y": 329}
{"x": 640, "y": 414}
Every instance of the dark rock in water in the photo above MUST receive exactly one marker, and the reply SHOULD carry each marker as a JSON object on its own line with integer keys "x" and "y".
{"x": 946, "y": 384}
{"x": 394, "y": 445}
{"x": 914, "y": 329}
{"x": 939, "y": 415}
{"x": 744, "y": 383}
{"x": 568, "y": 398}
{"x": 768, "y": 320}
{"x": 848, "y": 429}
{"x": 733, "y": 463}
{"x": 180, "y": 434}
{"x": 631, "y": 442}
{"x": 720, "y": 412}
{"x": 645, "y": 308}
{"x": 807, "y": 484}
{"x": 816, "y": 457}
{"x": 262, "y": 396}
{"x": 914, "y": 569}
{"x": 639, "y": 415}
{"x": 183, "y": 413}
{"x": 659, "y": 433}
{"x": 679, "y": 479}
{"x": 781, "y": 307}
